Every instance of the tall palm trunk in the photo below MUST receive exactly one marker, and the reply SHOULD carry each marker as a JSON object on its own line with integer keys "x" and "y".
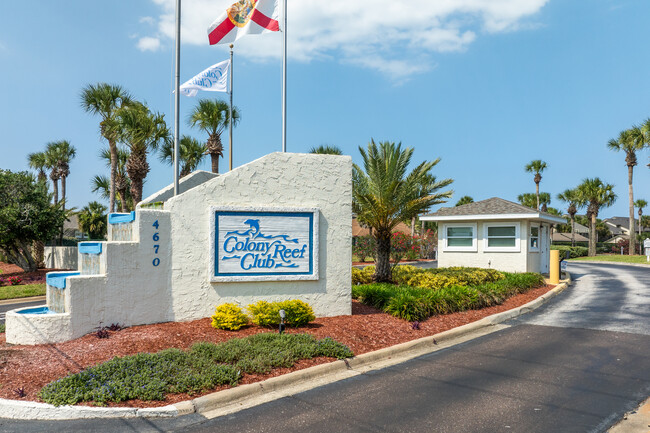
{"x": 63, "y": 186}
{"x": 592, "y": 236}
{"x": 39, "y": 253}
{"x": 55, "y": 188}
{"x": 114, "y": 159}
{"x": 382, "y": 264}
{"x": 215, "y": 163}
{"x": 573, "y": 231}
{"x": 632, "y": 250}
{"x": 137, "y": 168}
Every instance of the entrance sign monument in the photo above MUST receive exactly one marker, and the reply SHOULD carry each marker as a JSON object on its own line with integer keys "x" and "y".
{"x": 275, "y": 229}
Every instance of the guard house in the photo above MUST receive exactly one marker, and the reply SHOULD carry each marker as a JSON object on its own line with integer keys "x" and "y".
{"x": 494, "y": 233}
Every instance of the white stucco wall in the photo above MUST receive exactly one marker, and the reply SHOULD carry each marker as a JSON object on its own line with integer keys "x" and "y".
{"x": 163, "y": 272}
{"x": 519, "y": 261}
{"x": 60, "y": 257}
{"x": 277, "y": 180}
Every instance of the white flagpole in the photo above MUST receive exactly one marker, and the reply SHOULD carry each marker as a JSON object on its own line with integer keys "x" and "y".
{"x": 230, "y": 109}
{"x": 284, "y": 77}
{"x": 177, "y": 93}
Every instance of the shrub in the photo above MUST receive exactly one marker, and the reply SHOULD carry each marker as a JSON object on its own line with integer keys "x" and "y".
{"x": 448, "y": 277}
{"x": 265, "y": 313}
{"x": 361, "y": 276}
{"x": 573, "y": 251}
{"x": 364, "y": 246}
{"x": 229, "y": 316}
{"x": 418, "y": 303}
{"x": 403, "y": 245}
{"x": 623, "y": 243}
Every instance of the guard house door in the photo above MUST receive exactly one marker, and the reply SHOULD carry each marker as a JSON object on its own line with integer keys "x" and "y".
{"x": 544, "y": 255}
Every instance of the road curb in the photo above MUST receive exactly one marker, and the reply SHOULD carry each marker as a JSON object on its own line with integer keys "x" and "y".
{"x": 22, "y": 300}
{"x": 638, "y": 265}
{"x": 264, "y": 390}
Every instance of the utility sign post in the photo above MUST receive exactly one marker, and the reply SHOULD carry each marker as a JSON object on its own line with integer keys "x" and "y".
{"x": 271, "y": 244}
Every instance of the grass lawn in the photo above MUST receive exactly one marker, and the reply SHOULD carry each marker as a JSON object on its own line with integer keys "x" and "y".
{"x": 22, "y": 291}
{"x": 614, "y": 258}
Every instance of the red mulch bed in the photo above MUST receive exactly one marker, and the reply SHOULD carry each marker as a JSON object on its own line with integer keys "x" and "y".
{"x": 367, "y": 329}
{"x": 36, "y": 277}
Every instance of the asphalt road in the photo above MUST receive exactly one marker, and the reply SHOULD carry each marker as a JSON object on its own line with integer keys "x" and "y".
{"x": 575, "y": 365}
{"x": 8, "y": 307}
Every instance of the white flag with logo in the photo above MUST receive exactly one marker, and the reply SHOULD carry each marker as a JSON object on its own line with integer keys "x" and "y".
{"x": 213, "y": 79}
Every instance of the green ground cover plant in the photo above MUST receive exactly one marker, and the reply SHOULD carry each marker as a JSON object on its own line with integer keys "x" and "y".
{"x": 2, "y": 328}
{"x": 22, "y": 291}
{"x": 443, "y": 291}
{"x": 150, "y": 376}
{"x": 615, "y": 258}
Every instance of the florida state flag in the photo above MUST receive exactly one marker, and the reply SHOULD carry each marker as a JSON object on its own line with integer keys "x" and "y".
{"x": 245, "y": 17}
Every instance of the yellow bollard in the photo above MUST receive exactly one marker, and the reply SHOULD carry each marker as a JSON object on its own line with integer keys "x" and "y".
{"x": 555, "y": 267}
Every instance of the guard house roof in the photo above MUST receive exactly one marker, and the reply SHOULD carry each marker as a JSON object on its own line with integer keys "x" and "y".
{"x": 491, "y": 209}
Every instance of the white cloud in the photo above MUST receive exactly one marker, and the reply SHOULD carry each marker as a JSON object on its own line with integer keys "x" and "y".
{"x": 376, "y": 34}
{"x": 148, "y": 44}
{"x": 147, "y": 20}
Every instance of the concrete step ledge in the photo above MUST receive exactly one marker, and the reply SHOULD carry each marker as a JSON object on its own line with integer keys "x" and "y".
{"x": 241, "y": 396}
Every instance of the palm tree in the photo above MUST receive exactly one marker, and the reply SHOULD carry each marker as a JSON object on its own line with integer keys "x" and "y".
{"x": 571, "y": 197}
{"x": 38, "y": 161}
{"x": 66, "y": 153}
{"x": 106, "y": 99}
{"x": 190, "y": 153}
{"x": 533, "y": 200}
{"x": 640, "y": 204}
{"x": 326, "y": 149}
{"x": 594, "y": 194}
{"x": 52, "y": 163}
{"x": 629, "y": 141}
{"x": 384, "y": 194}
{"x": 536, "y": 166}
{"x": 122, "y": 182}
{"x": 465, "y": 200}
{"x": 213, "y": 117}
{"x": 140, "y": 130}
{"x": 92, "y": 220}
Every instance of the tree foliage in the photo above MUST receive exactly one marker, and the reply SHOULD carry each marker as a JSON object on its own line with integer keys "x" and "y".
{"x": 213, "y": 117}
{"x": 92, "y": 220}
{"x": 464, "y": 200}
{"x": 26, "y": 215}
{"x": 385, "y": 194}
{"x": 595, "y": 195}
{"x": 326, "y": 149}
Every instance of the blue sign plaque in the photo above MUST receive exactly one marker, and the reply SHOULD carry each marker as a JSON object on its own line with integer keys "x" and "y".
{"x": 264, "y": 244}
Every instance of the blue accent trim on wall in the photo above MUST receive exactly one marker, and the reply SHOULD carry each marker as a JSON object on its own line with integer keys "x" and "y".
{"x": 90, "y": 247}
{"x": 117, "y": 218}
{"x": 309, "y": 215}
{"x": 59, "y": 279}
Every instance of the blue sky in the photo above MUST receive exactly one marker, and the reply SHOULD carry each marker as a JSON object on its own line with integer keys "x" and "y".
{"x": 486, "y": 85}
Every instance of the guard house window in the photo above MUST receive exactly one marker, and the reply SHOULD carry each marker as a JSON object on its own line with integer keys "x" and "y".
{"x": 460, "y": 237}
{"x": 534, "y": 238}
{"x": 502, "y": 237}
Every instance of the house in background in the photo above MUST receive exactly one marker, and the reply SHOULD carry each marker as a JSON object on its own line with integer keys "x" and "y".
{"x": 359, "y": 230}
{"x": 566, "y": 237}
{"x": 619, "y": 227}
{"x": 494, "y": 233}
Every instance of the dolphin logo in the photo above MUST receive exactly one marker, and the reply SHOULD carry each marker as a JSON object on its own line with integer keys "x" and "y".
{"x": 254, "y": 226}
